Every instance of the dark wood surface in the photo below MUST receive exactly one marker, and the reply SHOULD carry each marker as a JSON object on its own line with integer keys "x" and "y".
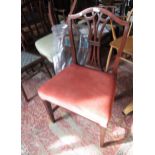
{"x": 49, "y": 110}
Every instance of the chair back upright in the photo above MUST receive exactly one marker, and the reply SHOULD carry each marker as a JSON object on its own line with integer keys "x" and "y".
{"x": 96, "y": 19}
{"x": 58, "y": 10}
{"x": 130, "y": 20}
{"x": 83, "y": 4}
{"x": 51, "y": 13}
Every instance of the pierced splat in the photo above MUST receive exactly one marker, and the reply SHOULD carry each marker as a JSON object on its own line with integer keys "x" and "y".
{"x": 96, "y": 20}
{"x": 96, "y": 24}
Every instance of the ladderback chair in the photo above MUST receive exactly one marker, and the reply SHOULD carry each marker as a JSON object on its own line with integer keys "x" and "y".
{"x": 82, "y": 90}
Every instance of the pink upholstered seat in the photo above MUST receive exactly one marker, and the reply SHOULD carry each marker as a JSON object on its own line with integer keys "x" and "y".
{"x": 87, "y": 92}
{"x": 82, "y": 90}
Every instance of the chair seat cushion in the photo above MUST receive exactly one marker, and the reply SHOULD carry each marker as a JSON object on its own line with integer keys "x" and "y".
{"x": 87, "y": 92}
{"x": 46, "y": 46}
{"x": 128, "y": 46}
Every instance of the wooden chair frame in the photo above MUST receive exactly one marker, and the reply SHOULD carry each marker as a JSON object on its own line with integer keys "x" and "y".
{"x": 94, "y": 40}
{"x": 40, "y": 62}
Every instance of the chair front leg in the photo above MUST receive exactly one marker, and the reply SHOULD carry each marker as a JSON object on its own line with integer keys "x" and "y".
{"x": 46, "y": 67}
{"x": 102, "y": 136}
{"x": 49, "y": 110}
{"x": 24, "y": 93}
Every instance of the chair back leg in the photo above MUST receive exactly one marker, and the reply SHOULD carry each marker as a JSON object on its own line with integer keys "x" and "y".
{"x": 109, "y": 58}
{"x": 102, "y": 136}
{"x": 24, "y": 93}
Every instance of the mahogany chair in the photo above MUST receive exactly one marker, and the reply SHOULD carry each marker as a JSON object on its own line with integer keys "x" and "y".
{"x": 82, "y": 90}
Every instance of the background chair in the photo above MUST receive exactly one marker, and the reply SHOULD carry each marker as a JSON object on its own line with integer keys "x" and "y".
{"x": 121, "y": 6}
{"x": 128, "y": 49}
{"x": 82, "y": 90}
{"x": 34, "y": 24}
{"x": 45, "y": 45}
{"x": 34, "y": 21}
{"x": 31, "y": 64}
{"x": 127, "y": 54}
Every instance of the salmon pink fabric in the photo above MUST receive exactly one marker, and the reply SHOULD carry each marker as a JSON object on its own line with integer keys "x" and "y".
{"x": 87, "y": 92}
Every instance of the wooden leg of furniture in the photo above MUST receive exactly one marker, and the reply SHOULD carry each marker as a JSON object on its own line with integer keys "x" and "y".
{"x": 24, "y": 93}
{"x": 102, "y": 136}
{"x": 49, "y": 110}
{"x": 53, "y": 69}
{"x": 47, "y": 70}
{"x": 128, "y": 61}
{"x": 109, "y": 57}
{"x": 128, "y": 109}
